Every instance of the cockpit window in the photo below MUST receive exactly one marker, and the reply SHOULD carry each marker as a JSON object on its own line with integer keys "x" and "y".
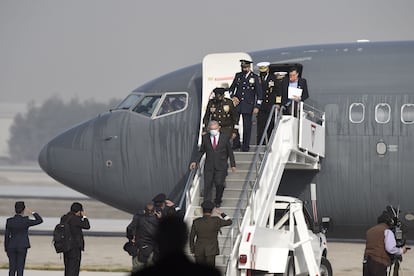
{"x": 129, "y": 101}
{"x": 407, "y": 113}
{"x": 172, "y": 103}
{"x": 382, "y": 113}
{"x": 147, "y": 105}
{"x": 356, "y": 113}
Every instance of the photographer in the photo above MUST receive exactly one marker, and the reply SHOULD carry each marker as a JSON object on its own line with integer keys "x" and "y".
{"x": 380, "y": 244}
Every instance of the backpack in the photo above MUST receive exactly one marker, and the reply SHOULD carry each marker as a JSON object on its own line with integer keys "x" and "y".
{"x": 62, "y": 237}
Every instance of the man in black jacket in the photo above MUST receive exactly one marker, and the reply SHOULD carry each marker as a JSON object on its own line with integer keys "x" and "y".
{"x": 218, "y": 150}
{"x": 77, "y": 221}
{"x": 16, "y": 237}
{"x": 141, "y": 232}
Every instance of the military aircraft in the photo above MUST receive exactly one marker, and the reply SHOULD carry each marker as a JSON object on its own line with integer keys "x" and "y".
{"x": 143, "y": 146}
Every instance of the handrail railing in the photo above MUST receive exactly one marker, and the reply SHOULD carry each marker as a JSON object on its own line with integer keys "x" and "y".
{"x": 237, "y": 216}
{"x": 197, "y": 171}
{"x": 187, "y": 186}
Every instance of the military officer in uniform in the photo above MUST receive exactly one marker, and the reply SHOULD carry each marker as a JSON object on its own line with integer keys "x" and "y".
{"x": 268, "y": 82}
{"x": 247, "y": 95}
{"x": 222, "y": 110}
{"x": 203, "y": 235}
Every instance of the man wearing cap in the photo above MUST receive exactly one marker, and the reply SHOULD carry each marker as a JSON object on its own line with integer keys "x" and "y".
{"x": 16, "y": 237}
{"x": 216, "y": 146}
{"x": 163, "y": 206}
{"x": 77, "y": 220}
{"x": 246, "y": 93}
{"x": 296, "y": 82}
{"x": 204, "y": 231}
{"x": 222, "y": 110}
{"x": 269, "y": 85}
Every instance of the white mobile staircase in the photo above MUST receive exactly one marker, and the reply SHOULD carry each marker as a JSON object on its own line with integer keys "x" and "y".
{"x": 295, "y": 143}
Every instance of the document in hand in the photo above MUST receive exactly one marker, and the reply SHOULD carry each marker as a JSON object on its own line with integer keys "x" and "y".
{"x": 293, "y": 91}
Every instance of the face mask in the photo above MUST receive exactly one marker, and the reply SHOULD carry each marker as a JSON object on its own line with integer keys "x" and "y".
{"x": 214, "y": 132}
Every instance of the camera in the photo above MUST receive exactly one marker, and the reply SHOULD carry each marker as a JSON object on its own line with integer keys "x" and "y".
{"x": 396, "y": 226}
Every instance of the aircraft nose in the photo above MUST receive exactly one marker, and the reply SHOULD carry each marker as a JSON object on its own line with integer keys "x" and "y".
{"x": 67, "y": 158}
{"x": 42, "y": 159}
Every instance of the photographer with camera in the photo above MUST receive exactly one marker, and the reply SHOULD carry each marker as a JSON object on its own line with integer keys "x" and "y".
{"x": 380, "y": 246}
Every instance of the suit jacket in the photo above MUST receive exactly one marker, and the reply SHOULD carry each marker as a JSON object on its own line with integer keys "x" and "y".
{"x": 302, "y": 84}
{"x": 247, "y": 90}
{"x": 203, "y": 235}
{"x": 216, "y": 159}
{"x": 76, "y": 224}
{"x": 17, "y": 231}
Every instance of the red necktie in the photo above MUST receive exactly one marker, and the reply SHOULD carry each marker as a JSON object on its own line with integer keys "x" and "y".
{"x": 214, "y": 142}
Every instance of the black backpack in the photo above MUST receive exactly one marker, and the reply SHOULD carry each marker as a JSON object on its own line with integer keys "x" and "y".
{"x": 62, "y": 238}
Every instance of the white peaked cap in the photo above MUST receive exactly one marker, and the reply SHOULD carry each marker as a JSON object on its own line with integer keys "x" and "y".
{"x": 263, "y": 64}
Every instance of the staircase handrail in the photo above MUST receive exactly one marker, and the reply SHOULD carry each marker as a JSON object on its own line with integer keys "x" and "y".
{"x": 236, "y": 218}
{"x": 196, "y": 171}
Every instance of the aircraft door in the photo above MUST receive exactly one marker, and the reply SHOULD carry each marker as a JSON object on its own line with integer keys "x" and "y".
{"x": 218, "y": 71}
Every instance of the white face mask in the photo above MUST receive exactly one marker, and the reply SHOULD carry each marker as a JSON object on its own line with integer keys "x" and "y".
{"x": 214, "y": 132}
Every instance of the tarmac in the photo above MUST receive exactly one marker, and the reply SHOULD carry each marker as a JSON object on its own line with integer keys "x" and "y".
{"x": 103, "y": 253}
{"x": 105, "y": 256}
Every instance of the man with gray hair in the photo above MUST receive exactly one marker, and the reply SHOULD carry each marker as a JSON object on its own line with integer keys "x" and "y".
{"x": 216, "y": 145}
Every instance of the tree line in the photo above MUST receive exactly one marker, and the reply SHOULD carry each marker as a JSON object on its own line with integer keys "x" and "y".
{"x": 32, "y": 130}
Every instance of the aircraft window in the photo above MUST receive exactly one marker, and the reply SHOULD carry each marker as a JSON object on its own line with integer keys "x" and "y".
{"x": 172, "y": 103}
{"x": 147, "y": 105}
{"x": 356, "y": 113}
{"x": 382, "y": 113}
{"x": 407, "y": 113}
{"x": 129, "y": 101}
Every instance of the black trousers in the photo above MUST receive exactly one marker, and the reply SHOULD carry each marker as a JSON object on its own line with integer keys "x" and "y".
{"x": 373, "y": 268}
{"x": 17, "y": 259}
{"x": 247, "y": 131}
{"x": 216, "y": 178}
{"x": 72, "y": 261}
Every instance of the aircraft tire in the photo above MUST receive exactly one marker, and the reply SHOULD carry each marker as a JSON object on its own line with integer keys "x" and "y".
{"x": 325, "y": 268}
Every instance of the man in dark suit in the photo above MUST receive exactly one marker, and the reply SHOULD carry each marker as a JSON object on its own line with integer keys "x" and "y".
{"x": 246, "y": 93}
{"x": 203, "y": 234}
{"x": 77, "y": 221}
{"x": 218, "y": 150}
{"x": 16, "y": 237}
{"x": 296, "y": 82}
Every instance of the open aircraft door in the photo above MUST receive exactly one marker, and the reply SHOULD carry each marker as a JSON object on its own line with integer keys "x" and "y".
{"x": 218, "y": 71}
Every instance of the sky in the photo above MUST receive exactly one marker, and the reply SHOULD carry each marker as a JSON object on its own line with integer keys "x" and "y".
{"x": 103, "y": 49}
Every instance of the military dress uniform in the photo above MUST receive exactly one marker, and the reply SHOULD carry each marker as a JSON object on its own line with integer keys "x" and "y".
{"x": 203, "y": 234}
{"x": 272, "y": 95}
{"x": 247, "y": 88}
{"x": 223, "y": 111}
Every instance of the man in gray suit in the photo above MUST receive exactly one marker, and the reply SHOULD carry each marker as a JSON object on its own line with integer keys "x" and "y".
{"x": 218, "y": 150}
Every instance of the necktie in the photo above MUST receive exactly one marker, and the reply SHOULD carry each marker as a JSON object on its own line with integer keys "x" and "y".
{"x": 214, "y": 142}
